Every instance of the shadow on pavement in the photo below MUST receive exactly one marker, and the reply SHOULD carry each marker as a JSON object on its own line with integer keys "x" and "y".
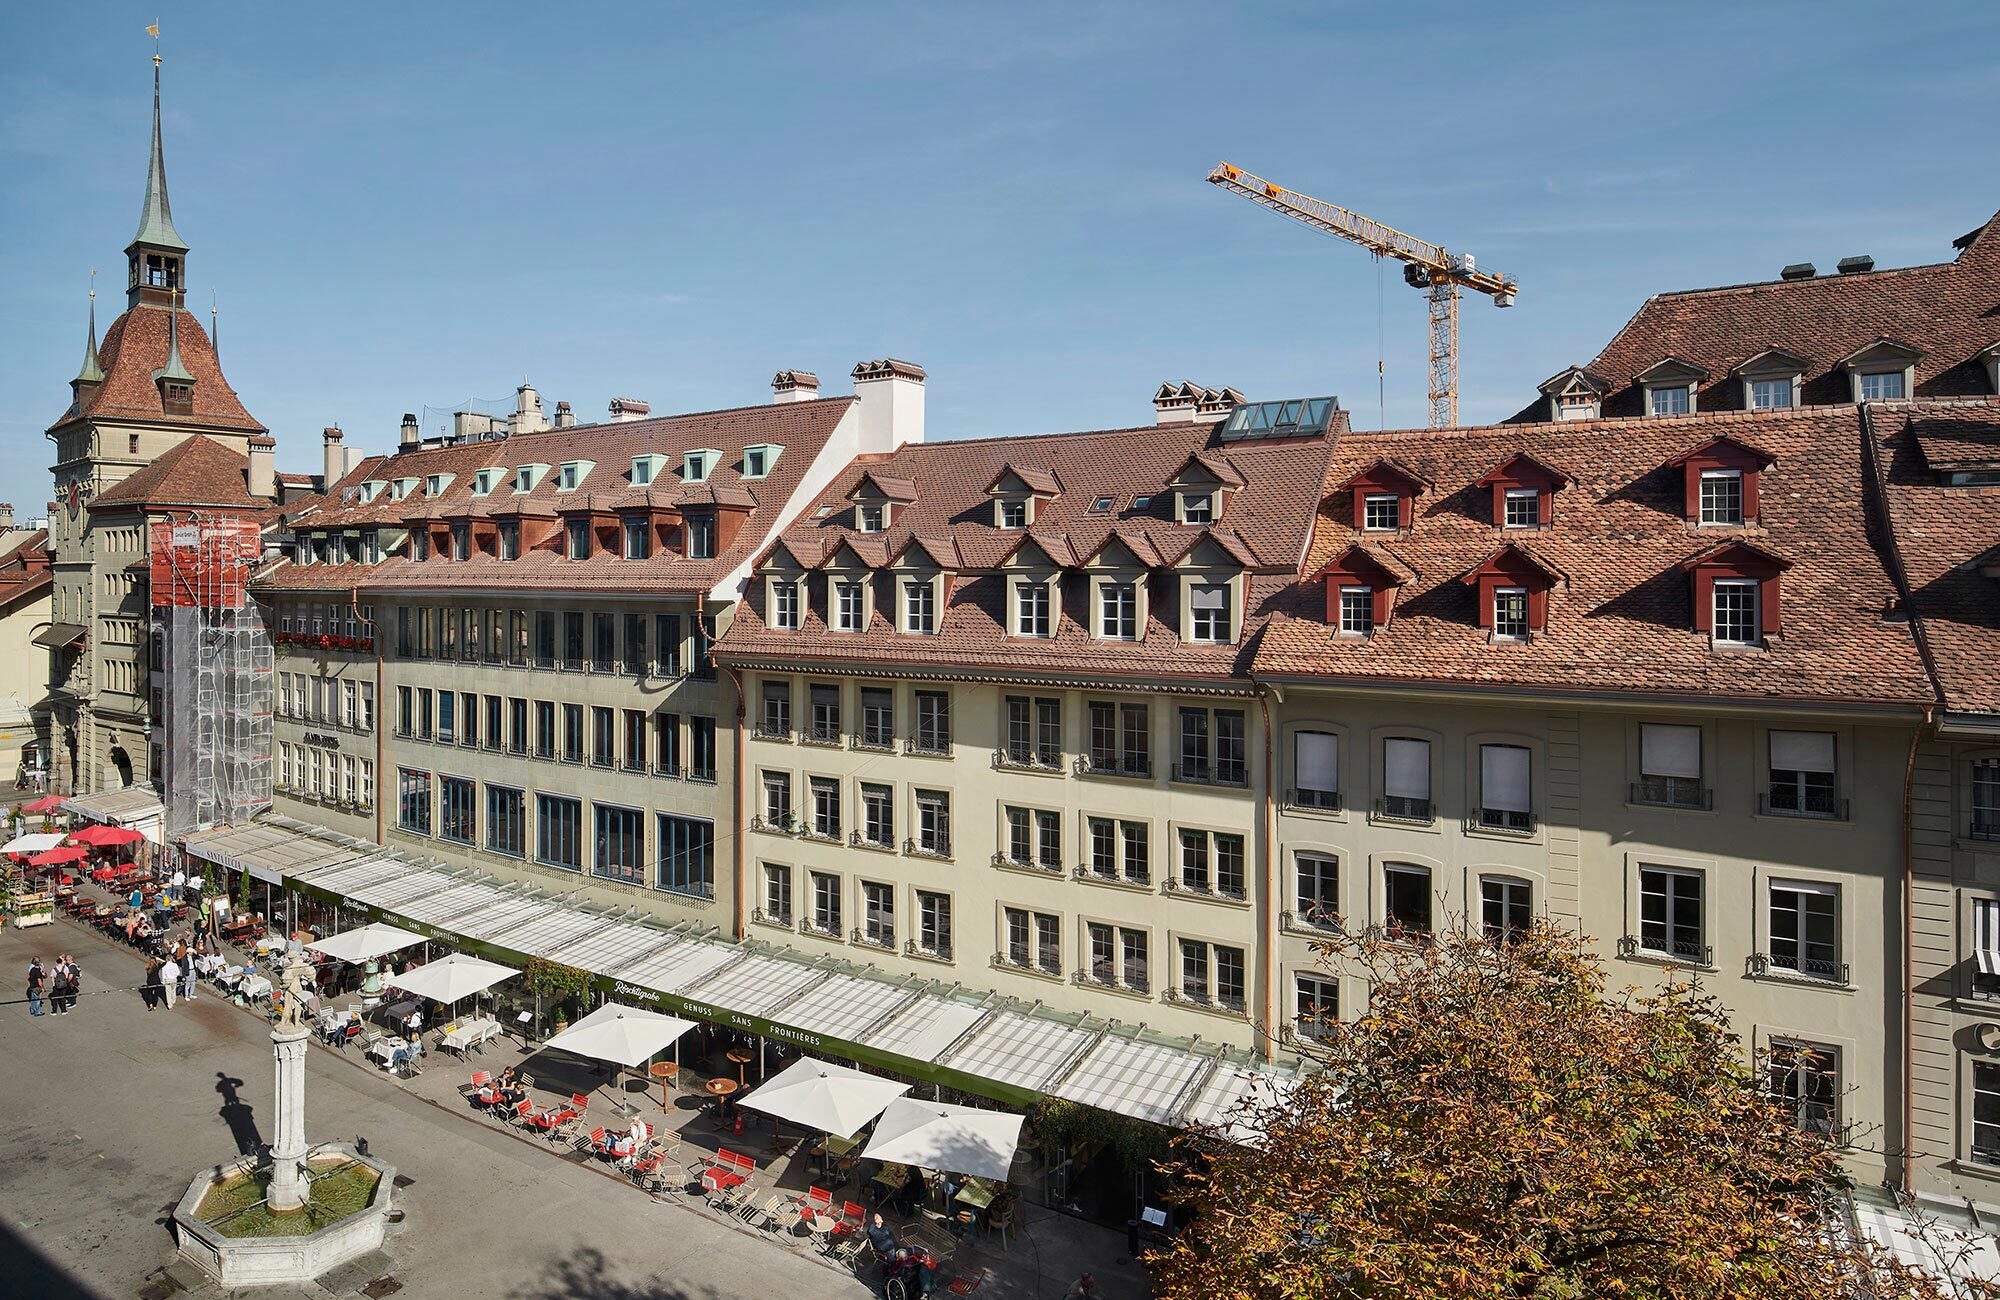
{"x": 587, "y": 1276}
{"x": 237, "y": 1113}
{"x": 26, "y": 1271}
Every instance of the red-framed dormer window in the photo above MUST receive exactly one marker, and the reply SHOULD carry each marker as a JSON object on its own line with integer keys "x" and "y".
{"x": 1524, "y": 491}
{"x": 1513, "y": 587}
{"x": 1721, "y": 482}
{"x": 1361, "y": 588}
{"x": 1735, "y": 592}
{"x": 1384, "y": 496}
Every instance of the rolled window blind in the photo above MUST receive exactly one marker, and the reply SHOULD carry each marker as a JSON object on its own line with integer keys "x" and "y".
{"x": 1503, "y": 778}
{"x": 1318, "y": 760}
{"x": 1802, "y": 751}
{"x": 1406, "y": 769}
{"x": 1670, "y": 751}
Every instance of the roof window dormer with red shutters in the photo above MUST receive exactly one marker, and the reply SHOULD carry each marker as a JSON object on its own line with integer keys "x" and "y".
{"x": 1524, "y": 492}
{"x": 1722, "y": 482}
{"x": 1735, "y": 591}
{"x": 1385, "y": 496}
{"x": 1361, "y": 585}
{"x": 1513, "y": 589}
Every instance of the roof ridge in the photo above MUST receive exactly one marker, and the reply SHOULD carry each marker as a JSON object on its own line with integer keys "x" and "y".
{"x": 1837, "y": 277}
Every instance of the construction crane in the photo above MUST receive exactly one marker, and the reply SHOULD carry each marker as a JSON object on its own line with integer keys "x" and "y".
{"x": 1425, "y": 266}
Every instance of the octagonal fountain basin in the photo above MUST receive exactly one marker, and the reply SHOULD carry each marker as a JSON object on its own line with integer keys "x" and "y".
{"x": 224, "y": 1226}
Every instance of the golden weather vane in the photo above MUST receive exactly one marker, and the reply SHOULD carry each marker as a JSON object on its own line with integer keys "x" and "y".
{"x": 153, "y": 30}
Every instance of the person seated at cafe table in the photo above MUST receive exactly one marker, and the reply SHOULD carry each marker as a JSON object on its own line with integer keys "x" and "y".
{"x": 512, "y": 1091}
{"x": 882, "y": 1238}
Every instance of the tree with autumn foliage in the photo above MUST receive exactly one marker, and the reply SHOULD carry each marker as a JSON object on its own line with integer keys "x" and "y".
{"x": 1500, "y": 1124}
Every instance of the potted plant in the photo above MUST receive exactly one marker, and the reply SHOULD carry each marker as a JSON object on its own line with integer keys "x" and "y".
{"x": 559, "y": 985}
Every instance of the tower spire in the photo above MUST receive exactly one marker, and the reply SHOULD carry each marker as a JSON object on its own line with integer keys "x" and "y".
{"x": 173, "y": 372}
{"x": 156, "y": 219}
{"x": 92, "y": 372}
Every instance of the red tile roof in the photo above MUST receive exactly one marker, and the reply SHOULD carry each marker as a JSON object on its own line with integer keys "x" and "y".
{"x": 133, "y": 348}
{"x": 1267, "y": 522}
{"x": 1945, "y": 537}
{"x": 1945, "y": 309}
{"x": 1621, "y": 618}
{"x": 801, "y": 428}
{"x": 198, "y": 471}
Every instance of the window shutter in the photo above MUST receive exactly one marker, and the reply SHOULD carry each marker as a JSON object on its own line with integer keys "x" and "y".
{"x": 1211, "y": 597}
{"x": 1318, "y": 760}
{"x": 1670, "y": 751}
{"x": 1503, "y": 778}
{"x": 1406, "y": 768}
{"x": 1802, "y": 751}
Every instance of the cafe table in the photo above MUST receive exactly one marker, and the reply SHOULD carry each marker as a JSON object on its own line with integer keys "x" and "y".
{"x": 720, "y": 1089}
{"x": 977, "y": 1193}
{"x": 665, "y": 1072}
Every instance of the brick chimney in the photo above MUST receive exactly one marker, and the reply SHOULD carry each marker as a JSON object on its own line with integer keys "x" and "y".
{"x": 263, "y": 472}
{"x": 794, "y": 386}
{"x": 565, "y": 418}
{"x": 892, "y": 403}
{"x": 332, "y": 463}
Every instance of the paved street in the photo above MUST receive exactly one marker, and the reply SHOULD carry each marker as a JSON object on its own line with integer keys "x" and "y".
{"x": 111, "y": 1109}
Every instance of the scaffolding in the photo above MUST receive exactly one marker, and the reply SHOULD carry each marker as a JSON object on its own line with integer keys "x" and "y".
{"x": 216, "y": 671}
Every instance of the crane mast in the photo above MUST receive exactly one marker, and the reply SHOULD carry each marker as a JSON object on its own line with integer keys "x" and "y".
{"x": 1441, "y": 273}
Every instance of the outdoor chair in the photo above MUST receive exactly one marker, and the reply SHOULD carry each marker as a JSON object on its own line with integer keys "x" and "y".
{"x": 479, "y": 1089}
{"x": 645, "y": 1174}
{"x": 777, "y": 1208}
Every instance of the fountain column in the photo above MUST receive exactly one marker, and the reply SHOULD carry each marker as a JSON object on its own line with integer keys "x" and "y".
{"x": 288, "y": 1149}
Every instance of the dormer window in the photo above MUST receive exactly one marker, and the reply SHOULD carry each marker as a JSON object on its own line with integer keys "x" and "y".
{"x": 850, "y": 606}
{"x": 1669, "y": 386}
{"x": 638, "y": 539}
{"x": 783, "y": 605}
{"x": 527, "y": 477}
{"x": 1197, "y": 507}
{"x": 1380, "y": 513}
{"x": 1118, "y": 610}
{"x": 1384, "y": 496}
{"x": 1357, "y": 611}
{"x": 1010, "y": 514}
{"x": 1033, "y": 611}
{"x": 399, "y": 489}
{"x": 1722, "y": 496}
{"x": 1208, "y": 613}
{"x": 760, "y": 460}
{"x": 434, "y": 484}
{"x": 461, "y": 541}
{"x": 1575, "y": 394}
{"x": 1722, "y": 482}
{"x": 1883, "y": 371}
{"x": 370, "y": 489}
{"x": 1361, "y": 585}
{"x": 569, "y": 476}
{"x": 700, "y": 536}
{"x": 1523, "y": 508}
{"x": 1771, "y": 394}
{"x": 1675, "y": 399}
{"x": 1510, "y": 614}
{"x": 869, "y": 517}
{"x": 919, "y": 606}
{"x": 510, "y": 539}
{"x": 1879, "y": 385}
{"x": 420, "y": 545}
{"x": 1735, "y": 593}
{"x": 1734, "y": 613}
{"x": 697, "y": 465}
{"x": 1513, "y": 591}
{"x": 483, "y": 480}
{"x": 371, "y": 547}
{"x": 577, "y": 536}
{"x": 645, "y": 469}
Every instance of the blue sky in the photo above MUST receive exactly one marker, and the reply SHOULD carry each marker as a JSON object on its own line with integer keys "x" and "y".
{"x": 413, "y": 205}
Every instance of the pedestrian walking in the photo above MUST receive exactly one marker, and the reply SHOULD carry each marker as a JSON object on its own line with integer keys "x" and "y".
{"x": 187, "y": 974}
{"x": 170, "y": 981}
{"x": 149, "y": 988}
{"x": 207, "y": 914}
{"x": 69, "y": 978}
{"x": 37, "y": 981}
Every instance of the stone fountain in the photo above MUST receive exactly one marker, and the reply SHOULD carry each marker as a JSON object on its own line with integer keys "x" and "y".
{"x": 309, "y": 1209}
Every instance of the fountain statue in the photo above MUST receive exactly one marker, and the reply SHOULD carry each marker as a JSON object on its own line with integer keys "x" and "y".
{"x": 287, "y": 1192}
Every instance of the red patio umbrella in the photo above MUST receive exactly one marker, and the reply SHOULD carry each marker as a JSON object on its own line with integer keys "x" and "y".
{"x": 59, "y": 854}
{"x": 104, "y": 836}
{"x": 48, "y": 803}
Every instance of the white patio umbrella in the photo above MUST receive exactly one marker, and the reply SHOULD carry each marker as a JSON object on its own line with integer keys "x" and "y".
{"x": 33, "y": 842}
{"x": 620, "y": 1034}
{"x": 457, "y": 976}
{"x": 366, "y": 943}
{"x": 821, "y": 1095}
{"x": 950, "y": 1139}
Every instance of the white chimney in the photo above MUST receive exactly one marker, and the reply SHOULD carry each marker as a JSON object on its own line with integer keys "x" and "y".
{"x": 892, "y": 403}
{"x": 408, "y": 438}
{"x": 263, "y": 471}
{"x": 629, "y": 408}
{"x": 332, "y": 463}
{"x": 1174, "y": 403}
{"x": 794, "y": 386}
{"x": 565, "y": 418}
{"x": 527, "y": 416}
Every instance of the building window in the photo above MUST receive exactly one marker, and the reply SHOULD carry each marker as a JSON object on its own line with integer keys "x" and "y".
{"x": 1505, "y": 788}
{"x": 1317, "y": 1005}
{"x": 878, "y": 913}
{"x": 618, "y": 833}
{"x": 1031, "y": 608}
{"x": 510, "y": 540}
{"x": 849, "y": 613}
{"x": 700, "y": 529}
{"x": 1034, "y": 731}
{"x": 1212, "y": 972}
{"x": 687, "y": 856}
{"x": 517, "y": 726}
{"x": 1667, "y": 401}
{"x": 455, "y": 818}
{"x": 1316, "y": 769}
{"x": 775, "y": 722}
{"x": 572, "y": 639}
{"x": 1671, "y": 920}
{"x": 577, "y": 531}
{"x": 868, "y": 518}
{"x": 667, "y": 644}
{"x": 1357, "y": 611}
{"x": 785, "y": 606}
{"x": 1380, "y": 512}
{"x": 1212, "y": 863}
{"x": 1318, "y": 876}
{"x": 603, "y": 643}
{"x": 635, "y": 740}
{"x": 826, "y": 903}
{"x": 777, "y": 893}
{"x": 461, "y": 541}
{"x": 604, "y": 736}
{"x": 878, "y": 815}
{"x": 1034, "y": 940}
{"x": 572, "y": 750}
{"x": 1118, "y": 611}
{"x": 545, "y": 729}
{"x": 1802, "y": 774}
{"x": 1197, "y": 508}
{"x": 506, "y": 830}
{"x": 1886, "y": 386}
{"x": 1670, "y": 766}
{"x": 1722, "y": 496}
{"x": 934, "y": 923}
{"x": 1213, "y": 747}
{"x": 413, "y": 799}
{"x": 1118, "y": 956}
{"x": 825, "y": 807}
{"x": 1407, "y": 898}
{"x": 778, "y": 801}
{"x": 1120, "y": 738}
{"x": 1406, "y": 779}
{"x": 878, "y": 717}
{"x": 933, "y": 731}
{"x": 1506, "y": 908}
{"x": 825, "y": 714}
{"x": 1523, "y": 508}
{"x": 1986, "y": 1112}
{"x": 638, "y": 539}
{"x": 667, "y": 744}
{"x": 1510, "y": 614}
{"x": 1805, "y": 929}
{"x": 1208, "y": 613}
{"x": 1012, "y": 514}
{"x": 934, "y": 823}
{"x": 919, "y": 606}
{"x": 1735, "y": 611}
{"x": 1770, "y": 394}
{"x": 1986, "y": 798}
{"x": 1805, "y": 1077}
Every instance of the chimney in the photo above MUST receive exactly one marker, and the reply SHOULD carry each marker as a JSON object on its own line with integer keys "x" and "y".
{"x": 629, "y": 408}
{"x": 1799, "y": 271}
{"x": 527, "y": 416}
{"x": 408, "y": 439}
{"x": 332, "y": 462}
{"x": 892, "y": 403}
{"x": 794, "y": 386}
{"x": 6, "y": 515}
{"x": 1855, "y": 265}
{"x": 263, "y": 472}
{"x": 565, "y": 418}
{"x": 1175, "y": 403}
{"x": 1215, "y": 403}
